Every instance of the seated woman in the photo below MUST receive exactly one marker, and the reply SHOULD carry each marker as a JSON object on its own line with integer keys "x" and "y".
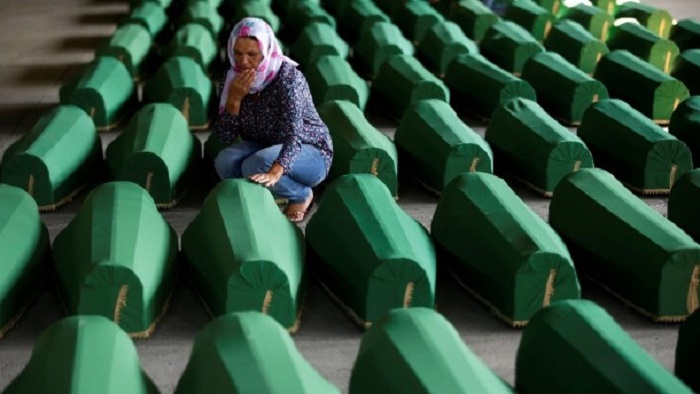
{"x": 266, "y": 101}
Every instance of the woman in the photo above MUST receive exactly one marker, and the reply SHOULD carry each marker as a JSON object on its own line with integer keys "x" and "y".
{"x": 266, "y": 101}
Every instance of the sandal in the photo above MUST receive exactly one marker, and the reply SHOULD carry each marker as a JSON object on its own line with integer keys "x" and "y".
{"x": 299, "y": 215}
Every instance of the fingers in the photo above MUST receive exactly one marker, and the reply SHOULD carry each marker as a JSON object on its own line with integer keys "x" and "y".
{"x": 266, "y": 180}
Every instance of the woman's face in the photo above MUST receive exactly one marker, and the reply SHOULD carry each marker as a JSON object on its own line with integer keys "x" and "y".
{"x": 246, "y": 53}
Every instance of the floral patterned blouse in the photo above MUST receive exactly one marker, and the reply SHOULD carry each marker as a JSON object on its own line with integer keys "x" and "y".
{"x": 282, "y": 113}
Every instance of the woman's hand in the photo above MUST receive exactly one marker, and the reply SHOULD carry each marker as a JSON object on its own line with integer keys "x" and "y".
{"x": 269, "y": 178}
{"x": 240, "y": 86}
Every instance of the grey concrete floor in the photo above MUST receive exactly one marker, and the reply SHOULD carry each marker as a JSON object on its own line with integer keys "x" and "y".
{"x": 43, "y": 42}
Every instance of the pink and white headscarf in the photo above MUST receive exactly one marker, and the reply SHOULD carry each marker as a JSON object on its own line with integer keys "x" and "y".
{"x": 269, "y": 47}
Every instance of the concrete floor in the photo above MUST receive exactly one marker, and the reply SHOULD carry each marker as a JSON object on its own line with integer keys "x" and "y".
{"x": 43, "y": 42}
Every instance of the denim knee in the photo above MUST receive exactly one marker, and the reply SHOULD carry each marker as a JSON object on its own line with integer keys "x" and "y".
{"x": 257, "y": 163}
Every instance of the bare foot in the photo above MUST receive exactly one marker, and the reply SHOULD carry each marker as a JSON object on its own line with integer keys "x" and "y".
{"x": 297, "y": 211}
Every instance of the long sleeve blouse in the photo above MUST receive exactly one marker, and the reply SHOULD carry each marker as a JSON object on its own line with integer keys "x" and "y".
{"x": 282, "y": 113}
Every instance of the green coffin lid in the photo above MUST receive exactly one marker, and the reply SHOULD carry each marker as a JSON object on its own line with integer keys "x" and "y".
{"x": 646, "y": 88}
{"x": 360, "y": 15}
{"x": 575, "y": 44}
{"x": 441, "y": 44}
{"x": 303, "y": 12}
{"x": 194, "y": 41}
{"x": 638, "y": 152}
{"x": 284, "y": 7}
{"x": 332, "y": 78}
{"x": 415, "y": 18}
{"x": 359, "y": 148}
{"x": 369, "y": 253}
{"x": 205, "y": 14}
{"x": 150, "y": 15}
{"x": 436, "y": 145}
{"x": 378, "y": 43}
{"x": 534, "y": 147}
{"x": 500, "y": 250}
{"x": 688, "y": 352}
{"x": 25, "y": 250}
{"x": 608, "y": 6}
{"x": 621, "y": 242}
{"x": 257, "y": 9}
{"x": 130, "y": 44}
{"x": 335, "y": 7}
{"x": 554, "y": 7}
{"x": 685, "y": 124}
{"x": 563, "y": 90}
{"x": 318, "y": 39}
{"x": 683, "y": 208}
{"x": 83, "y": 354}
{"x": 473, "y": 17}
{"x": 116, "y": 258}
{"x": 105, "y": 90}
{"x": 403, "y": 80}
{"x": 593, "y": 19}
{"x": 687, "y": 70}
{"x": 640, "y": 41}
{"x": 655, "y": 19}
{"x": 248, "y": 352}
{"x": 509, "y": 46}
{"x": 181, "y": 82}
{"x": 55, "y": 159}
{"x": 228, "y": 253}
{"x": 575, "y": 346}
{"x": 157, "y": 152}
{"x": 417, "y": 350}
{"x": 479, "y": 86}
{"x": 686, "y": 34}
{"x": 533, "y": 18}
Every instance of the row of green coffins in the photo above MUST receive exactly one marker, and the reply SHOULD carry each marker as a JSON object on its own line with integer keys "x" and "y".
{"x": 408, "y": 350}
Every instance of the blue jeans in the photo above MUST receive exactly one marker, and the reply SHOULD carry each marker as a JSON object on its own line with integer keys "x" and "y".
{"x": 246, "y": 158}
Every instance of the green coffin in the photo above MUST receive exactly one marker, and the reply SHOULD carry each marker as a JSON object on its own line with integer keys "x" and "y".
{"x": 441, "y": 44}
{"x": 401, "y": 81}
{"x": 228, "y": 254}
{"x": 194, "y": 41}
{"x": 554, "y": 7}
{"x": 284, "y": 7}
{"x": 415, "y": 18}
{"x": 248, "y": 352}
{"x": 609, "y": 6}
{"x": 130, "y": 44}
{"x": 370, "y": 254}
{"x": 479, "y": 86}
{"x": 645, "y": 44}
{"x": 105, "y": 90}
{"x": 473, "y": 17}
{"x": 686, "y": 34}
{"x": 638, "y": 152}
{"x": 683, "y": 208}
{"x": 257, "y": 9}
{"x": 335, "y": 7}
{"x": 655, "y": 19}
{"x": 54, "y": 160}
{"x": 688, "y": 352}
{"x": 685, "y": 124}
{"x": 360, "y": 15}
{"x": 643, "y": 86}
{"x": 435, "y": 145}
{"x": 116, "y": 258}
{"x": 531, "y": 17}
{"x": 575, "y": 346}
{"x": 150, "y": 15}
{"x": 509, "y": 46}
{"x": 359, "y": 148}
{"x": 378, "y": 43}
{"x": 575, "y": 44}
{"x": 205, "y": 14}
{"x": 301, "y": 13}
{"x": 500, "y": 250}
{"x": 25, "y": 250}
{"x": 687, "y": 70}
{"x": 332, "y": 78}
{"x": 316, "y": 40}
{"x": 157, "y": 152}
{"x": 417, "y": 350}
{"x": 621, "y": 242}
{"x": 593, "y": 19}
{"x": 181, "y": 82}
{"x": 83, "y": 354}
{"x": 563, "y": 90}
{"x": 534, "y": 147}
